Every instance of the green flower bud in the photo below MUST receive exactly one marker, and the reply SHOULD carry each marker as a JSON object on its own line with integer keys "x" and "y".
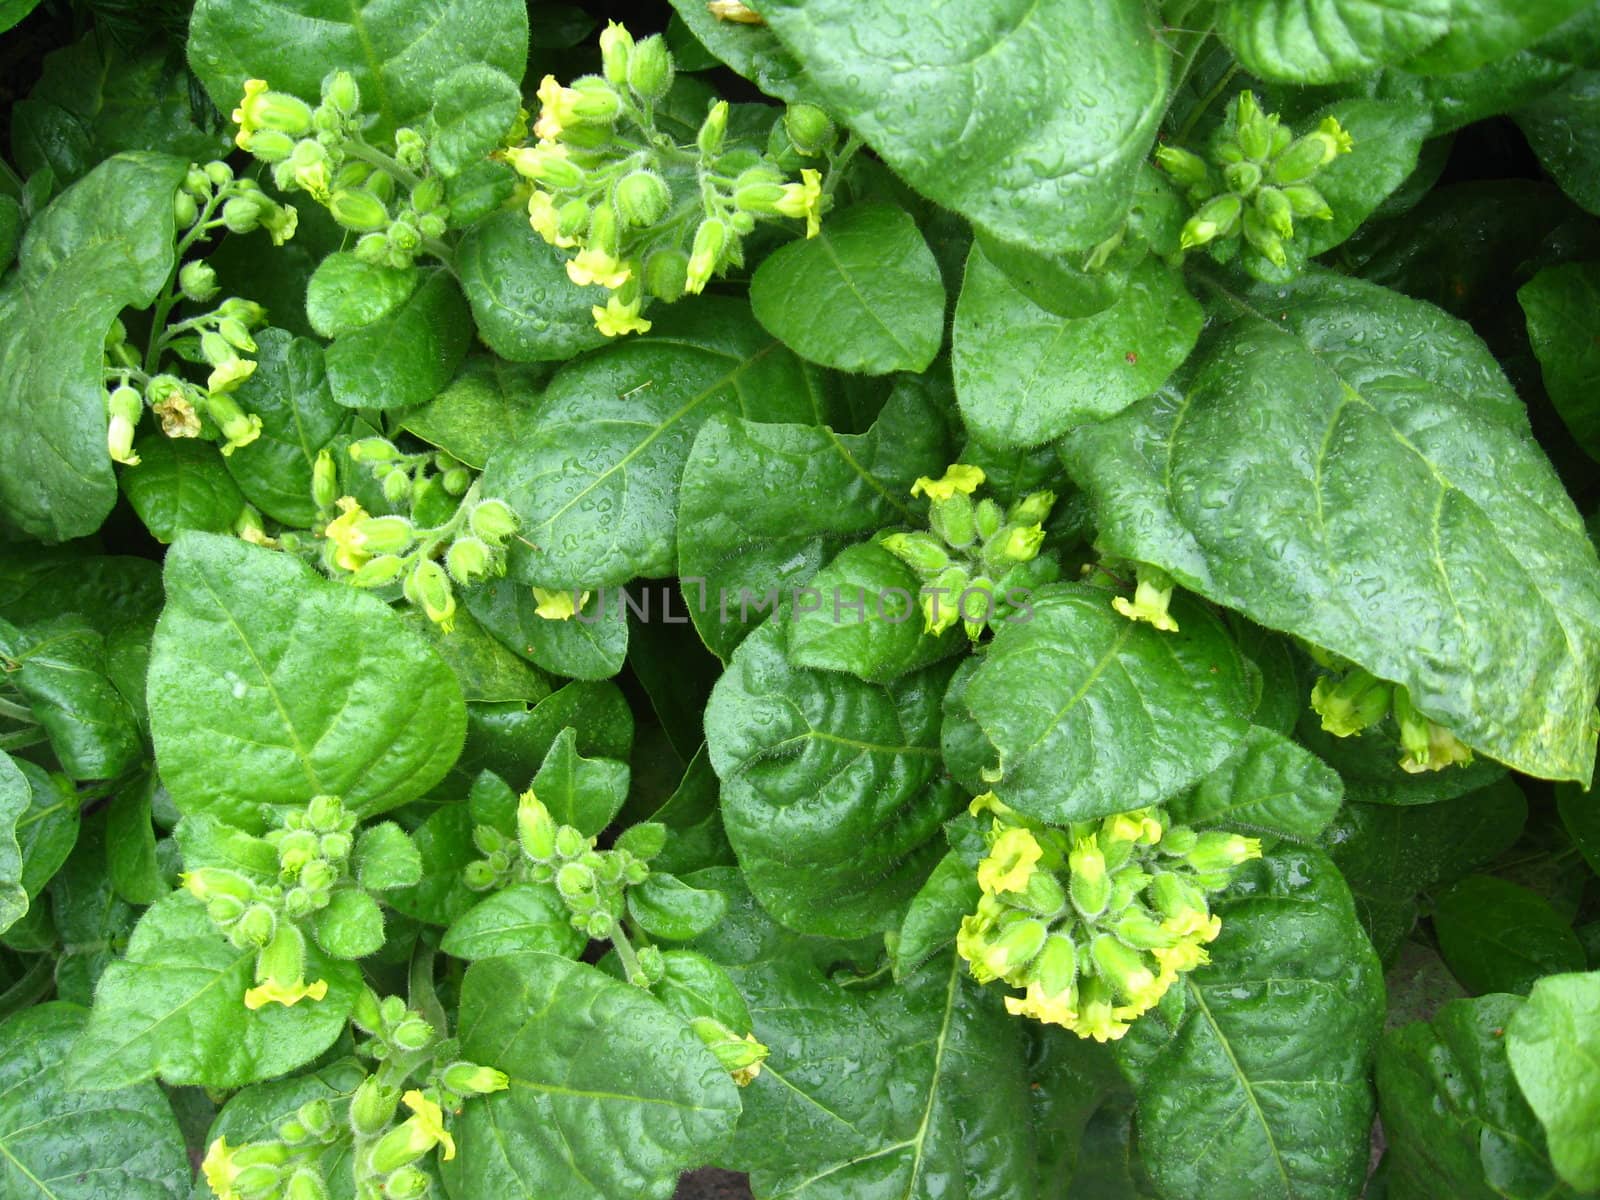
{"x": 920, "y": 551}
{"x": 413, "y": 1033}
{"x": 305, "y": 1184}
{"x": 650, "y": 68}
{"x": 317, "y": 1117}
{"x": 427, "y": 195}
{"x": 468, "y": 560}
{"x": 292, "y": 1132}
{"x": 197, "y": 280}
{"x": 206, "y": 883}
{"x": 398, "y": 1148}
{"x": 392, "y": 1010}
{"x": 259, "y": 1182}
{"x": 270, "y": 146}
{"x": 1215, "y": 850}
{"x": 955, "y": 520}
{"x": 283, "y": 959}
{"x": 1252, "y": 127}
{"x": 536, "y": 829}
{"x": 570, "y": 843}
{"x": 1242, "y": 177}
{"x": 493, "y": 521}
{"x": 616, "y": 47}
{"x": 242, "y": 214}
{"x": 1303, "y": 159}
{"x": 1187, "y": 169}
{"x": 1043, "y": 894}
{"x": 324, "y": 480}
{"x": 470, "y": 1079}
{"x": 408, "y": 1183}
{"x": 1056, "y": 968}
{"x": 1276, "y": 210}
{"x": 709, "y": 241}
{"x": 341, "y": 93}
{"x": 225, "y": 910}
{"x": 642, "y": 198}
{"x": 373, "y": 249}
{"x": 1088, "y": 885}
{"x": 1032, "y": 509}
{"x": 309, "y": 168}
{"x": 1217, "y": 218}
{"x": 1413, "y": 728}
{"x": 378, "y": 572}
{"x": 273, "y": 110}
{"x": 428, "y": 586}
{"x": 317, "y": 875}
{"x": 572, "y": 218}
{"x": 456, "y": 481}
{"x": 988, "y": 517}
{"x": 197, "y": 183}
{"x": 1306, "y": 201}
{"x": 1349, "y": 705}
{"x": 256, "y": 926}
{"x": 666, "y": 273}
{"x": 298, "y": 903}
{"x": 185, "y": 212}
{"x": 810, "y": 129}
{"x": 235, "y": 334}
{"x": 759, "y": 197}
{"x": 652, "y": 965}
{"x": 479, "y": 876}
{"x": 1260, "y": 235}
{"x": 372, "y": 1107}
{"x": 713, "y": 130}
{"x": 385, "y": 535}
{"x": 593, "y": 101}
{"x": 547, "y": 167}
{"x": 358, "y": 210}
{"x": 247, "y": 312}
{"x": 1125, "y": 969}
{"x": 410, "y": 148}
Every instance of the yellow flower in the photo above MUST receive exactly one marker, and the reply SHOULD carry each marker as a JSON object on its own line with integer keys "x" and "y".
{"x": 273, "y": 992}
{"x": 229, "y": 374}
{"x": 552, "y": 100}
{"x": 594, "y": 265}
{"x": 244, "y": 115}
{"x": 616, "y": 319}
{"x": 429, "y": 1122}
{"x": 1010, "y": 863}
{"x": 804, "y": 199}
{"x": 178, "y": 417}
{"x": 556, "y": 604}
{"x": 988, "y": 802}
{"x": 347, "y": 540}
{"x": 543, "y": 217}
{"x": 1097, "y": 1020}
{"x": 959, "y": 478}
{"x": 219, "y": 1168}
{"x": 1052, "y": 1010}
{"x": 1342, "y": 141}
{"x": 1193, "y": 923}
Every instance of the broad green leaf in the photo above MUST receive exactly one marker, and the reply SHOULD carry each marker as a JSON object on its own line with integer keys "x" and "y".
{"x": 934, "y": 915}
{"x": 12, "y": 11}
{"x": 345, "y": 293}
{"x": 174, "y": 1006}
{"x": 751, "y": 50}
{"x": 1388, "y": 139}
{"x": 59, "y": 668}
{"x": 589, "y": 1057}
{"x": 107, "y": 590}
{"x": 398, "y": 51}
{"x": 1056, "y": 283}
{"x": 1325, "y": 409}
{"x": 351, "y": 926}
{"x": 524, "y": 917}
{"x": 1253, "y": 1076}
{"x": 592, "y": 644}
{"x": 666, "y": 907}
{"x": 1553, "y": 1043}
{"x": 302, "y": 685}
{"x": 444, "y": 844}
{"x": 693, "y": 986}
{"x": 407, "y": 357}
{"x": 385, "y": 857}
{"x": 16, "y": 798}
{"x": 1580, "y": 813}
{"x": 512, "y": 740}
{"x": 1561, "y": 128}
{"x": 485, "y": 669}
{"x": 204, "y": 841}
{"x": 1025, "y": 375}
{"x": 860, "y": 615}
{"x": 489, "y": 403}
{"x": 1481, "y": 31}
{"x": 864, "y": 295}
{"x": 474, "y": 107}
{"x": 990, "y": 110}
{"x": 525, "y": 307}
{"x": 833, "y": 790}
{"x": 916, "y": 1092}
{"x": 289, "y": 392}
{"x": 768, "y": 505}
{"x": 1389, "y": 855}
{"x": 1500, "y": 937}
{"x": 49, "y": 829}
{"x": 57, "y": 1144}
{"x": 1085, "y": 712}
{"x": 131, "y": 858}
{"x": 596, "y": 481}
{"x": 1454, "y": 1119}
{"x": 1267, "y": 786}
{"x": 695, "y": 837}
{"x": 181, "y": 483}
{"x": 1562, "y": 305}
{"x": 105, "y": 244}
{"x": 91, "y": 922}
{"x": 583, "y": 792}
{"x": 1326, "y": 41}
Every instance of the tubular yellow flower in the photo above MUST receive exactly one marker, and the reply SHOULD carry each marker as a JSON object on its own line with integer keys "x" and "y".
{"x": 596, "y": 266}
{"x": 218, "y": 1167}
{"x": 553, "y": 99}
{"x": 243, "y": 116}
{"x": 347, "y": 540}
{"x": 1052, "y": 1010}
{"x": 616, "y": 319}
{"x": 958, "y": 478}
{"x": 273, "y": 992}
{"x": 555, "y": 604}
{"x": 429, "y": 1120}
{"x": 545, "y": 219}
{"x": 803, "y": 199}
{"x": 1010, "y": 862}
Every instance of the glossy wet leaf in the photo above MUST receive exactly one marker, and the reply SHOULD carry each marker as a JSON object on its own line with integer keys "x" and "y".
{"x": 1481, "y": 31}
{"x": 1560, "y": 126}
{"x": 1553, "y": 1043}
{"x": 474, "y": 108}
{"x": 751, "y": 50}
{"x": 1302, "y": 41}
{"x": 1254, "y": 1073}
{"x": 485, "y": 669}
{"x": 585, "y": 793}
{"x": 103, "y": 245}
{"x": 47, "y": 832}
{"x": 1025, "y": 375}
{"x": 1388, "y": 137}
{"x": 1082, "y": 712}
{"x": 833, "y": 789}
{"x": 934, "y": 915}
{"x": 1562, "y": 305}
{"x": 592, "y": 644}
{"x": 525, "y": 307}
{"x": 990, "y": 111}
{"x": 1268, "y": 786}
{"x": 864, "y": 295}
{"x": 16, "y": 798}
{"x": 667, "y": 907}
{"x": 1500, "y": 937}
{"x": 305, "y": 686}
{"x": 1350, "y": 385}
{"x": 345, "y": 293}
{"x": 589, "y": 1058}
{"x": 488, "y": 402}
{"x": 522, "y": 918}
{"x": 57, "y": 1144}
{"x": 131, "y": 856}
{"x": 181, "y": 483}
{"x": 407, "y": 357}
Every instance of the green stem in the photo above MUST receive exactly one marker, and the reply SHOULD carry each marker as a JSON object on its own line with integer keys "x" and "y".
{"x": 1205, "y": 103}
{"x": 21, "y": 739}
{"x": 420, "y": 984}
{"x": 17, "y": 712}
{"x": 629, "y": 959}
{"x": 169, "y": 297}
{"x": 838, "y": 162}
{"x": 358, "y": 149}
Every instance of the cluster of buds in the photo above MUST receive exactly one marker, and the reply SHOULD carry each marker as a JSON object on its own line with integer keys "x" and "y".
{"x": 287, "y": 1167}
{"x": 980, "y": 560}
{"x": 211, "y": 197}
{"x": 1351, "y": 699}
{"x": 1095, "y": 921}
{"x": 391, "y": 201}
{"x": 1258, "y": 180}
{"x": 448, "y": 537}
{"x": 650, "y": 218}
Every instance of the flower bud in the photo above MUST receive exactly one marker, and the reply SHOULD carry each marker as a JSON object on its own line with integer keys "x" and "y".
{"x": 197, "y": 280}
{"x": 378, "y": 572}
{"x": 373, "y": 249}
{"x": 1124, "y": 968}
{"x": 1303, "y": 159}
{"x": 955, "y": 520}
{"x": 410, "y": 148}
{"x": 1260, "y": 235}
{"x": 577, "y": 884}
{"x": 269, "y": 145}
{"x": 1242, "y": 177}
{"x": 762, "y": 197}
{"x": 255, "y": 927}
{"x": 392, "y": 1010}
{"x": 920, "y": 551}
{"x": 1089, "y": 885}
{"x": 1056, "y": 968}
{"x": 468, "y": 560}
{"x": 1306, "y": 201}
{"x": 666, "y": 273}
{"x": 429, "y": 586}
{"x": 810, "y": 129}
{"x": 470, "y": 1079}
{"x": 317, "y": 1117}
{"x": 241, "y": 214}
{"x": 408, "y": 1183}
{"x": 341, "y": 92}
{"x": 1187, "y": 169}
{"x": 1276, "y": 210}
{"x": 185, "y": 212}
{"x": 305, "y": 1184}
{"x": 479, "y": 876}
{"x": 548, "y": 166}
{"x": 1217, "y": 218}
{"x": 536, "y": 829}
{"x": 1043, "y": 894}
{"x": 713, "y": 130}
{"x": 262, "y": 109}
{"x": 412, "y": 1034}
{"x": 570, "y": 843}
{"x": 493, "y": 521}
{"x": 238, "y": 427}
{"x": 709, "y": 240}
{"x": 358, "y": 210}
{"x": 642, "y": 198}
{"x": 372, "y": 1107}
{"x": 1022, "y": 543}
{"x": 384, "y": 535}
{"x": 324, "y": 480}
{"x": 650, "y": 68}
{"x": 1215, "y": 850}
{"x": 1252, "y": 127}
{"x": 1349, "y": 705}
{"x": 225, "y": 910}
{"x": 455, "y": 481}
{"x": 235, "y": 334}
{"x": 206, "y": 883}
{"x": 616, "y": 47}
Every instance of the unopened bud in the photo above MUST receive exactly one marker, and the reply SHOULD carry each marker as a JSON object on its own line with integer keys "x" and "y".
{"x": 642, "y": 198}
{"x": 198, "y": 281}
{"x": 713, "y": 130}
{"x": 810, "y": 129}
{"x": 1186, "y": 168}
{"x": 1217, "y": 218}
{"x": 358, "y": 210}
{"x": 616, "y": 48}
{"x": 493, "y": 521}
{"x": 650, "y": 68}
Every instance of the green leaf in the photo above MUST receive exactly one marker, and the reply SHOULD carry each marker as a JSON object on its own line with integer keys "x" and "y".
{"x": 864, "y": 295}
{"x": 583, "y": 792}
{"x": 489, "y": 403}
{"x": 693, "y": 817}
{"x": 1482, "y": 31}
{"x": 694, "y": 986}
{"x": 1561, "y": 128}
{"x": 386, "y": 857}
{"x": 588, "y": 1056}
{"x": 1025, "y": 375}
{"x": 1562, "y": 304}
{"x": 16, "y": 798}
{"x": 768, "y": 505}
{"x": 596, "y": 482}
{"x": 351, "y": 926}
{"x": 666, "y": 907}
{"x": 181, "y": 483}
{"x": 1388, "y": 139}
{"x": 1253, "y": 1076}
{"x": 525, "y": 917}
{"x": 934, "y": 915}
{"x": 49, "y": 829}
{"x": 512, "y": 740}
{"x": 989, "y": 110}
{"x": 1580, "y": 813}
{"x": 12, "y": 11}
{"x": 1553, "y": 1043}
{"x": 525, "y": 306}
{"x": 1056, "y": 283}
{"x": 591, "y": 645}
{"x": 917, "y": 1092}
{"x": 92, "y": 923}
{"x": 407, "y": 357}
{"x": 304, "y": 686}
{"x": 345, "y": 293}
{"x": 1454, "y": 1119}
{"x": 57, "y": 1144}
{"x": 1085, "y": 712}
{"x": 751, "y": 50}
{"x": 832, "y": 788}
{"x": 1383, "y": 414}
{"x": 253, "y": 1114}
{"x": 1267, "y": 786}
{"x": 1499, "y": 937}
{"x": 105, "y": 244}
{"x": 398, "y": 52}
{"x": 485, "y": 669}
{"x": 1301, "y": 41}
{"x": 131, "y": 844}
{"x": 866, "y": 620}
{"x": 474, "y": 107}
{"x": 174, "y": 1006}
